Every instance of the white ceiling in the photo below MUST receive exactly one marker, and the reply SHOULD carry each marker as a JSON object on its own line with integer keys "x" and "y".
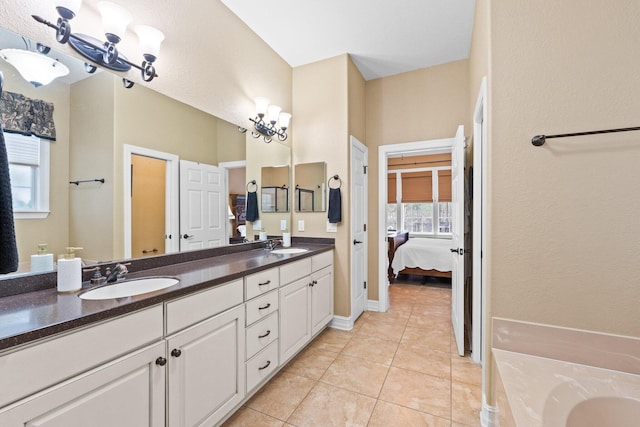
{"x": 383, "y": 37}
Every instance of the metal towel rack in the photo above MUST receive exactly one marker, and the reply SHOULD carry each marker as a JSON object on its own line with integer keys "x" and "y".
{"x": 539, "y": 140}
{"x": 101, "y": 180}
{"x": 335, "y": 177}
{"x": 252, "y": 182}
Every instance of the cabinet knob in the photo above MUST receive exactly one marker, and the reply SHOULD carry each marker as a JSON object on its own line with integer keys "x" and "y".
{"x": 176, "y": 352}
{"x": 161, "y": 361}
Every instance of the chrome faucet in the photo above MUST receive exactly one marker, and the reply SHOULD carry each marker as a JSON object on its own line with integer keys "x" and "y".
{"x": 119, "y": 272}
{"x": 272, "y": 244}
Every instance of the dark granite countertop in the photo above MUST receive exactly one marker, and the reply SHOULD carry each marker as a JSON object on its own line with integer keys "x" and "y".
{"x": 34, "y": 315}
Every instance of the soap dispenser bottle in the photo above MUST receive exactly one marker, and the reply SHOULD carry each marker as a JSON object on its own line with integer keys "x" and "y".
{"x": 69, "y": 271}
{"x": 42, "y": 261}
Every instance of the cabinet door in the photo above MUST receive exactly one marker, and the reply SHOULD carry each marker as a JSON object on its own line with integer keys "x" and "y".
{"x": 321, "y": 299}
{"x": 126, "y": 392}
{"x": 295, "y": 318}
{"x": 206, "y": 370}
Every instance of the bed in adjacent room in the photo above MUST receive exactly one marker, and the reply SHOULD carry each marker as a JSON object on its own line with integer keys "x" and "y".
{"x": 419, "y": 256}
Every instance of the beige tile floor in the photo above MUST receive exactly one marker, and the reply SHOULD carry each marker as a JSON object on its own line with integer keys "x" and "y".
{"x": 398, "y": 368}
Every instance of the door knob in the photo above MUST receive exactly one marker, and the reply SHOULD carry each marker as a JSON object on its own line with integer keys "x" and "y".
{"x": 355, "y": 242}
{"x": 187, "y": 236}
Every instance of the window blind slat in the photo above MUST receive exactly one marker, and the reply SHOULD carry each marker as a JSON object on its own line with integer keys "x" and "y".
{"x": 23, "y": 150}
{"x": 391, "y": 188}
{"x": 444, "y": 186}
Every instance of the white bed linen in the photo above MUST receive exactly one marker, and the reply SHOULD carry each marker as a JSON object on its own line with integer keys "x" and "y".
{"x": 427, "y": 254}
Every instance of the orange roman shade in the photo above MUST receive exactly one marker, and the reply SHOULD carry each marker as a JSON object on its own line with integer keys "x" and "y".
{"x": 416, "y": 187}
{"x": 391, "y": 188}
{"x": 444, "y": 186}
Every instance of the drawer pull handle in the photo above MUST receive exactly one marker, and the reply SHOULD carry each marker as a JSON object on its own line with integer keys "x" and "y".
{"x": 266, "y": 334}
{"x": 265, "y": 366}
{"x": 265, "y": 283}
{"x": 265, "y": 307}
{"x": 176, "y": 352}
{"x": 161, "y": 361}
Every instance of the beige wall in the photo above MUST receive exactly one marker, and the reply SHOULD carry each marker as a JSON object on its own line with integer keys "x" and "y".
{"x": 564, "y": 216}
{"x": 320, "y": 101}
{"x": 420, "y": 105}
{"x": 54, "y": 230}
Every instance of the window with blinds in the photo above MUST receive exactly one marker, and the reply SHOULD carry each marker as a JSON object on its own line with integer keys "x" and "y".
{"x": 421, "y": 202}
{"x": 28, "y": 169}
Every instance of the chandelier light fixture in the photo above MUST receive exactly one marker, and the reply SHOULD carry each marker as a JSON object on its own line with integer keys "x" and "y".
{"x": 115, "y": 20}
{"x": 35, "y": 67}
{"x": 270, "y": 121}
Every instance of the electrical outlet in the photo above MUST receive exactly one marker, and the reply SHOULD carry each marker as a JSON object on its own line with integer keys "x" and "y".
{"x": 283, "y": 225}
{"x": 301, "y": 225}
{"x": 257, "y": 224}
{"x": 332, "y": 227}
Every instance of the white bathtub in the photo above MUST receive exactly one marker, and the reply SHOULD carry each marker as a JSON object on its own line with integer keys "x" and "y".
{"x": 557, "y": 377}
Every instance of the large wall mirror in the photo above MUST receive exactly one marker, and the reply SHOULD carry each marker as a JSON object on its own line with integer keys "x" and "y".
{"x": 95, "y": 119}
{"x": 310, "y": 187}
{"x": 274, "y": 191}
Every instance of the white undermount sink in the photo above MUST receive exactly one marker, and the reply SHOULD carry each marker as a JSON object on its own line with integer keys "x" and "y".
{"x": 289, "y": 251}
{"x": 129, "y": 288}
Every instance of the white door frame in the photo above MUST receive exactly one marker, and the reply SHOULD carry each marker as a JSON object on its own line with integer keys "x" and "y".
{"x": 226, "y": 166}
{"x": 479, "y": 254}
{"x": 356, "y": 144}
{"x": 172, "y": 201}
{"x": 384, "y": 151}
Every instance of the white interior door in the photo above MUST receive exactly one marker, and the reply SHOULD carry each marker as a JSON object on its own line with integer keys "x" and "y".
{"x": 457, "y": 240}
{"x": 359, "y": 200}
{"x": 203, "y": 209}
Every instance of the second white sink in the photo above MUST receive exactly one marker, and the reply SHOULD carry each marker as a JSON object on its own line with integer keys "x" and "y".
{"x": 129, "y": 288}
{"x": 289, "y": 251}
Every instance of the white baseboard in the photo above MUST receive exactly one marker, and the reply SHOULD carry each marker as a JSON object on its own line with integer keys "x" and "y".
{"x": 373, "y": 305}
{"x": 489, "y": 416}
{"x": 342, "y": 323}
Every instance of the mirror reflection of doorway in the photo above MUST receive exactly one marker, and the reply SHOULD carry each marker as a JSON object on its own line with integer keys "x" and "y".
{"x": 148, "y": 189}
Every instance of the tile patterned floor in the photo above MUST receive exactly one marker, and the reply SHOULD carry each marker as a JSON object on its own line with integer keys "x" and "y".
{"x": 398, "y": 368}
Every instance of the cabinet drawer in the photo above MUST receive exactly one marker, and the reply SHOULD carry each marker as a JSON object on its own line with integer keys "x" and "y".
{"x": 295, "y": 270}
{"x": 196, "y": 307}
{"x": 261, "y": 334}
{"x": 26, "y": 371}
{"x": 322, "y": 260}
{"x": 260, "y": 307}
{"x": 262, "y": 365}
{"x": 261, "y": 283}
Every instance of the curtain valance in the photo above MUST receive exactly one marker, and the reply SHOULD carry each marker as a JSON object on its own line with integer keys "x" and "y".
{"x": 27, "y": 116}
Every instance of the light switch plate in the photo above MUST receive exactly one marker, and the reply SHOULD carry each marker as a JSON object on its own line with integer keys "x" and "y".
{"x": 332, "y": 227}
{"x": 283, "y": 225}
{"x": 257, "y": 224}
{"x": 300, "y": 225}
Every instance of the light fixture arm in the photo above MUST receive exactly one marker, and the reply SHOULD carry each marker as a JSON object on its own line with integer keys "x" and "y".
{"x": 108, "y": 50}
{"x": 267, "y": 130}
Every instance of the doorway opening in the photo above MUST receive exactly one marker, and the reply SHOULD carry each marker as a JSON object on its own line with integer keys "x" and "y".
{"x": 169, "y": 240}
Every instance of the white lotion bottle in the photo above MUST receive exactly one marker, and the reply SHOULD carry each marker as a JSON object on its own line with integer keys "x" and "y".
{"x": 286, "y": 240}
{"x": 42, "y": 261}
{"x": 69, "y": 271}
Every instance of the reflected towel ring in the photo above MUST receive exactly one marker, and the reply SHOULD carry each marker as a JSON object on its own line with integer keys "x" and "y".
{"x": 336, "y": 178}
{"x": 252, "y": 182}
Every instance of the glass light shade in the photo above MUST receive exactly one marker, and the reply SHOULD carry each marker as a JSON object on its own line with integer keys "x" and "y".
{"x": 35, "y": 68}
{"x": 284, "y": 120}
{"x": 115, "y": 18}
{"x": 72, "y": 5}
{"x": 150, "y": 39}
{"x": 272, "y": 113}
{"x": 261, "y": 106}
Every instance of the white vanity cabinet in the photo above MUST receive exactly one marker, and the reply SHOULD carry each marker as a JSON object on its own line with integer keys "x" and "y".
{"x": 128, "y": 390}
{"x": 306, "y": 302}
{"x": 206, "y": 365}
